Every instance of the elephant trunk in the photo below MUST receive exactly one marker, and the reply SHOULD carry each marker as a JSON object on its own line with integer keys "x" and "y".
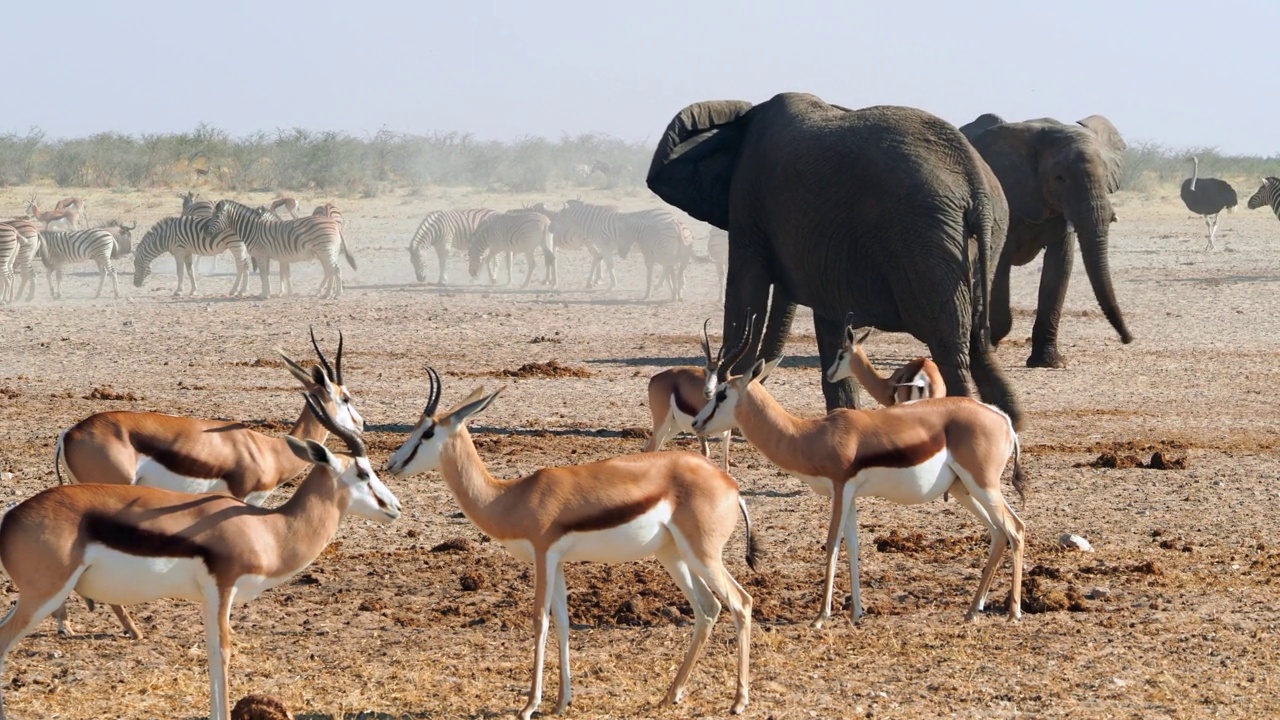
{"x": 1092, "y": 229}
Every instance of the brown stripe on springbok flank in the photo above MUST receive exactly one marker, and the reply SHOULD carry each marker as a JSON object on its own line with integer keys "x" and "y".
{"x": 900, "y": 456}
{"x": 125, "y": 537}
{"x": 159, "y": 449}
{"x": 614, "y": 516}
{"x": 683, "y": 405}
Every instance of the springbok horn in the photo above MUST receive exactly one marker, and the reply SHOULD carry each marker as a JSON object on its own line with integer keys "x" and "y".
{"x": 324, "y": 361}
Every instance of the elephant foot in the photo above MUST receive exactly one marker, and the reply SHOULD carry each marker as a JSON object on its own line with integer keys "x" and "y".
{"x": 1046, "y": 358}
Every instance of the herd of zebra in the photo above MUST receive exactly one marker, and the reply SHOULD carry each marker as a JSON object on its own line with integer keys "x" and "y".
{"x": 604, "y": 231}
{"x": 256, "y": 236}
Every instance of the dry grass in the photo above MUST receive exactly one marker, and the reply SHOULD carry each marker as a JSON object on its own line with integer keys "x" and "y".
{"x": 1175, "y": 615}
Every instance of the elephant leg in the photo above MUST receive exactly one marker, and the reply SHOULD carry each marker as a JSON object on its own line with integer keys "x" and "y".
{"x": 1058, "y": 257}
{"x": 1001, "y": 311}
{"x": 843, "y": 394}
{"x": 992, "y": 385}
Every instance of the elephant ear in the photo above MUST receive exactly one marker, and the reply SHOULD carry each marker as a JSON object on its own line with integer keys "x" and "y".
{"x": 981, "y": 124}
{"x": 693, "y": 166}
{"x": 1010, "y": 150}
{"x": 1113, "y": 147}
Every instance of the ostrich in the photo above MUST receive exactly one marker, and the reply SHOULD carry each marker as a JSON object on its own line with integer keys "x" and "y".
{"x": 1207, "y": 197}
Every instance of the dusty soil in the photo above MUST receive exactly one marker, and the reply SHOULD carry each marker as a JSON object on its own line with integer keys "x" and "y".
{"x": 1174, "y": 615}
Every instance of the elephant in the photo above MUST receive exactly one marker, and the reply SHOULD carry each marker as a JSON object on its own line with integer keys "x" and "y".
{"x": 1057, "y": 179}
{"x": 864, "y": 216}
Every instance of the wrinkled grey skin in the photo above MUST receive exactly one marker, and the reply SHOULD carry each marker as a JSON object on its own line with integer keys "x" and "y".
{"x": 1057, "y": 179}
{"x": 873, "y": 217}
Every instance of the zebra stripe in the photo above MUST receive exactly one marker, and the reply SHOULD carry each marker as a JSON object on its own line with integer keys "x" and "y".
{"x": 307, "y": 238}
{"x": 186, "y": 237}
{"x": 581, "y": 224}
{"x": 331, "y": 211}
{"x": 662, "y": 240}
{"x": 8, "y": 256}
{"x": 443, "y": 230}
{"x": 24, "y": 261}
{"x": 1268, "y": 194}
{"x": 63, "y": 248}
{"x": 517, "y": 231}
{"x": 196, "y": 208}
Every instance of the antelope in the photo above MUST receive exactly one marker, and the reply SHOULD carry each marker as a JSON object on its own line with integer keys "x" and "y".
{"x": 289, "y": 204}
{"x": 677, "y": 506}
{"x": 677, "y": 394}
{"x": 123, "y": 235}
{"x": 76, "y": 203}
{"x": 193, "y": 455}
{"x": 125, "y": 544}
{"x": 908, "y": 454}
{"x": 917, "y": 380}
{"x": 64, "y": 219}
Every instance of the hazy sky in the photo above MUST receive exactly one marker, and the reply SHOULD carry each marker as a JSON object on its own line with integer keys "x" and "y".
{"x": 548, "y": 67}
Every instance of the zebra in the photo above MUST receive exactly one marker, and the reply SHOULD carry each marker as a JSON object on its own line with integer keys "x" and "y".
{"x": 187, "y": 237}
{"x": 8, "y": 256}
{"x": 1268, "y": 194}
{"x": 331, "y": 211}
{"x": 662, "y": 240}
{"x": 581, "y": 224}
{"x": 516, "y": 231}
{"x": 718, "y": 250}
{"x": 195, "y": 208}
{"x": 24, "y": 261}
{"x": 62, "y": 248}
{"x": 307, "y": 238}
{"x": 443, "y": 230}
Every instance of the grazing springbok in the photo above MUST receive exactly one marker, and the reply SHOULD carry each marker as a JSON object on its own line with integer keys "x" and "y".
{"x": 64, "y": 220}
{"x": 677, "y": 506}
{"x": 908, "y": 454}
{"x": 78, "y": 204}
{"x": 127, "y": 544}
{"x": 917, "y": 380}
{"x": 676, "y": 395}
{"x": 287, "y": 203}
{"x": 196, "y": 456}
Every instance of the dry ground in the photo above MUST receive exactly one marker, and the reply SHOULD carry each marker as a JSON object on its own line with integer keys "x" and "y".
{"x": 1184, "y": 625}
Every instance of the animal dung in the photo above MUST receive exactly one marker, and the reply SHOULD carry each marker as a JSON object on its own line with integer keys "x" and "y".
{"x": 1075, "y": 542}
{"x": 260, "y": 707}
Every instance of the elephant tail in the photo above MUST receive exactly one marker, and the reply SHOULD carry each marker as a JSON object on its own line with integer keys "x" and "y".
{"x": 979, "y": 225}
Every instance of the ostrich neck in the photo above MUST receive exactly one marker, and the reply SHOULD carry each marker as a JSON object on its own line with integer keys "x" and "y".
{"x": 1195, "y": 172}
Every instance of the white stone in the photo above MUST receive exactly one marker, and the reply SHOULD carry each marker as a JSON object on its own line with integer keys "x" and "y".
{"x": 1075, "y": 542}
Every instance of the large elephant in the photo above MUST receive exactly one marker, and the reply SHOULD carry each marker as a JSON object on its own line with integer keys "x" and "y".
{"x": 1057, "y": 179}
{"x": 865, "y": 216}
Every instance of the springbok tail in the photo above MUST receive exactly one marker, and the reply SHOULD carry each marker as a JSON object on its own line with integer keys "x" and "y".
{"x": 60, "y": 459}
{"x": 753, "y": 547}
{"x": 1019, "y": 477}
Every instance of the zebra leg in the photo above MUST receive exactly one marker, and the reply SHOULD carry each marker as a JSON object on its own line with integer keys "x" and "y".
{"x": 115, "y": 283}
{"x": 191, "y": 271}
{"x": 442, "y": 254}
{"x": 648, "y": 278}
{"x": 528, "y": 276}
{"x": 335, "y": 290}
{"x": 286, "y": 280}
{"x": 264, "y": 271}
{"x": 102, "y": 279}
{"x": 510, "y": 258}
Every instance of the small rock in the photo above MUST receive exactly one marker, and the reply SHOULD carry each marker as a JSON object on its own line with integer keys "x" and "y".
{"x": 1075, "y": 542}
{"x": 6, "y": 476}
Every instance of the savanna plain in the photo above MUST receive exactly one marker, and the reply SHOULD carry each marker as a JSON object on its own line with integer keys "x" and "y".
{"x": 1175, "y": 613}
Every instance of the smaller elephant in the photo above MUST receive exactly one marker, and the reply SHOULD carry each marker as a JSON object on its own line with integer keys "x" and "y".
{"x": 1058, "y": 179}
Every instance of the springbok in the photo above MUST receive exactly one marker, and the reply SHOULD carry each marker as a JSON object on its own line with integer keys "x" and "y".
{"x": 78, "y": 204}
{"x": 64, "y": 220}
{"x": 289, "y": 204}
{"x": 126, "y": 544}
{"x": 917, "y": 380}
{"x": 677, "y": 506}
{"x": 193, "y": 455}
{"x": 908, "y": 454}
{"x": 676, "y": 395}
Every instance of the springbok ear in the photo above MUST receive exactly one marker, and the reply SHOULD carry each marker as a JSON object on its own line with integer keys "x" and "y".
{"x": 768, "y": 368}
{"x": 861, "y": 335}
{"x": 462, "y": 414}
{"x": 756, "y": 370}
{"x": 312, "y": 452}
{"x": 294, "y": 368}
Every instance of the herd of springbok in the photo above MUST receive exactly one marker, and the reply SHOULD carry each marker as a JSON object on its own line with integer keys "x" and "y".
{"x": 162, "y": 506}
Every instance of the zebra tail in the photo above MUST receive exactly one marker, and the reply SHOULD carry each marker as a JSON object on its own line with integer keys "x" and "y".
{"x": 351, "y": 259}
{"x": 115, "y": 248}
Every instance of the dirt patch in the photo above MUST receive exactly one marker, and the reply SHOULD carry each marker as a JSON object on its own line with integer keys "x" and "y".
{"x": 471, "y": 581}
{"x": 546, "y": 339}
{"x": 1124, "y": 461}
{"x": 9, "y": 393}
{"x": 457, "y": 544}
{"x": 267, "y": 363}
{"x": 549, "y": 369}
{"x": 106, "y": 392}
{"x": 260, "y": 707}
{"x": 896, "y": 542}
